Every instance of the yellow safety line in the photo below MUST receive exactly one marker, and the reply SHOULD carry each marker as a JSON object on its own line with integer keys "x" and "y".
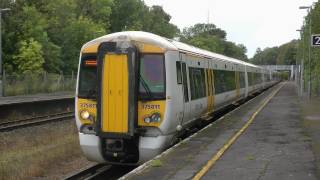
{"x": 217, "y": 156}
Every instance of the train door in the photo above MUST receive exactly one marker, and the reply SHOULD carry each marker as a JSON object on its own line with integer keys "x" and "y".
{"x": 117, "y": 89}
{"x": 237, "y": 80}
{"x": 246, "y": 81}
{"x": 210, "y": 88}
{"x": 185, "y": 89}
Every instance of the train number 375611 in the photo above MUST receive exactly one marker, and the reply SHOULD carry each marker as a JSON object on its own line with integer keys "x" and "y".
{"x": 150, "y": 106}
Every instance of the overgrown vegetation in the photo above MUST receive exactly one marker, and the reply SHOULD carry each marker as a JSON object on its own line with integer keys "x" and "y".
{"x": 303, "y": 51}
{"x": 33, "y": 83}
{"x": 311, "y": 123}
{"x": 46, "y": 35}
{"x": 33, "y": 152}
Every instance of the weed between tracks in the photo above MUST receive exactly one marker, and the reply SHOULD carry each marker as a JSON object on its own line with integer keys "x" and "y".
{"x": 33, "y": 152}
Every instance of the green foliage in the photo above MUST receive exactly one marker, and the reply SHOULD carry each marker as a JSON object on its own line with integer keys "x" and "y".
{"x": 30, "y": 58}
{"x": 285, "y": 54}
{"x": 266, "y": 57}
{"x": 211, "y": 43}
{"x": 158, "y": 21}
{"x": 128, "y": 15}
{"x": 211, "y": 38}
{"x": 204, "y": 30}
{"x": 75, "y": 35}
{"x": 98, "y": 11}
{"x": 54, "y": 31}
{"x": 288, "y": 53}
{"x": 303, "y": 49}
{"x": 237, "y": 51}
{"x": 134, "y": 15}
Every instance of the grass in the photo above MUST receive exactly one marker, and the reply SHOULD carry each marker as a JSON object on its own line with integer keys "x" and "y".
{"x": 250, "y": 157}
{"x": 41, "y": 83}
{"x": 312, "y": 127}
{"x": 156, "y": 163}
{"x": 31, "y": 152}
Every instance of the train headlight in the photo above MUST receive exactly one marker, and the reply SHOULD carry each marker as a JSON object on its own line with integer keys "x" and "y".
{"x": 155, "y": 117}
{"x": 147, "y": 120}
{"x": 85, "y": 115}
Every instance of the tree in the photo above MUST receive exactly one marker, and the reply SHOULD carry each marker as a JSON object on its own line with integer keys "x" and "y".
{"x": 158, "y": 22}
{"x": 268, "y": 56}
{"x": 134, "y": 15}
{"x": 212, "y": 43}
{"x": 203, "y": 30}
{"x": 28, "y": 23}
{"x": 235, "y": 51}
{"x": 30, "y": 57}
{"x": 98, "y": 11}
{"x": 287, "y": 53}
{"x": 211, "y": 38}
{"x": 62, "y": 27}
{"x": 128, "y": 15}
{"x": 75, "y": 35}
{"x": 282, "y": 55}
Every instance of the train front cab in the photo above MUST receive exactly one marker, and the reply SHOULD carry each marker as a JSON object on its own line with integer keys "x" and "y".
{"x": 125, "y": 97}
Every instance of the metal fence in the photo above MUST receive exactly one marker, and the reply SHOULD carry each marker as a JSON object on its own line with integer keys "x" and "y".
{"x": 37, "y": 83}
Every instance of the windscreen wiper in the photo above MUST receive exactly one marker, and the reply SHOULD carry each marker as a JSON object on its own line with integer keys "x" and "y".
{"x": 91, "y": 93}
{"x": 145, "y": 86}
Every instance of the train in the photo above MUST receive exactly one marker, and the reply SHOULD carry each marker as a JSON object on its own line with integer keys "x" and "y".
{"x": 137, "y": 92}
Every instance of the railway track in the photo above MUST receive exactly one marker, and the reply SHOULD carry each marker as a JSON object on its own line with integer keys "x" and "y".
{"x": 16, "y": 124}
{"x": 101, "y": 171}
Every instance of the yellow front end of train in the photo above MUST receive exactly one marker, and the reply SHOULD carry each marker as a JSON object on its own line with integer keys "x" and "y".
{"x": 121, "y": 90}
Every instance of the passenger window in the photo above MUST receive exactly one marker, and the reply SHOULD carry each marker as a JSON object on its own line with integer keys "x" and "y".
{"x": 179, "y": 76}
{"x": 224, "y": 81}
{"x": 197, "y": 83}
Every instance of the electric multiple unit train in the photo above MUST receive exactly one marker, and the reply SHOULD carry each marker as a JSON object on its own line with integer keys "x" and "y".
{"x": 137, "y": 91}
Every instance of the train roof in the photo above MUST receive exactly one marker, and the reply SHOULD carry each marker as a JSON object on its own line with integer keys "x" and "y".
{"x": 165, "y": 43}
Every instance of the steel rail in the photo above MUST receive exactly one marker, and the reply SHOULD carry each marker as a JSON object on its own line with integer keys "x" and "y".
{"x": 89, "y": 172}
{"x": 16, "y": 124}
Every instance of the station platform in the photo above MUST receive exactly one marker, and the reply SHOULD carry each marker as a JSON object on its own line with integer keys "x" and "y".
{"x": 263, "y": 139}
{"x": 35, "y": 98}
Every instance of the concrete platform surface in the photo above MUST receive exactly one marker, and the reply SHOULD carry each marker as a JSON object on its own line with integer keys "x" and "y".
{"x": 36, "y": 97}
{"x": 274, "y": 146}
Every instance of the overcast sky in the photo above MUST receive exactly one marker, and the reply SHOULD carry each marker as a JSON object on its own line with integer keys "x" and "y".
{"x": 254, "y": 23}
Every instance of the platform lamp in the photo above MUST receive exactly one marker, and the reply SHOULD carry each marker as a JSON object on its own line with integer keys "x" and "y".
{"x": 301, "y": 63}
{"x": 1, "y": 63}
{"x": 309, "y": 81}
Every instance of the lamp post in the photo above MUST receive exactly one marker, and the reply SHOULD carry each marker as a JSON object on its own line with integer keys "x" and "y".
{"x": 1, "y": 63}
{"x": 301, "y": 62}
{"x": 309, "y": 81}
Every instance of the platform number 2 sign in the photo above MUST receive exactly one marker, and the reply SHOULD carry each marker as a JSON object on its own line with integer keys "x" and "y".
{"x": 316, "y": 40}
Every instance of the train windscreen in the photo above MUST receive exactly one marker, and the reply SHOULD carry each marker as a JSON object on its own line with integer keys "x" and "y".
{"x": 88, "y": 86}
{"x": 152, "y": 77}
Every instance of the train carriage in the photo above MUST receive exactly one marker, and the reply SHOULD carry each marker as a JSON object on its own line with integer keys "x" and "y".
{"x": 136, "y": 92}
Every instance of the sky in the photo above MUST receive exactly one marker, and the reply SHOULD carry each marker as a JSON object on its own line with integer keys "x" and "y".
{"x": 253, "y": 23}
